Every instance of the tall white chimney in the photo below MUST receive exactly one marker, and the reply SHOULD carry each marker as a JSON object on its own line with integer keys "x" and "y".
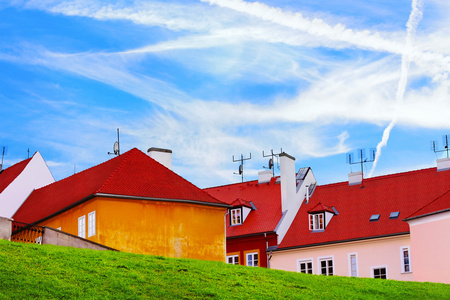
{"x": 163, "y": 156}
{"x": 288, "y": 184}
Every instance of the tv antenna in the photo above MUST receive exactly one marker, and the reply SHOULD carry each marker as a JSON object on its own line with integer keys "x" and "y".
{"x": 4, "y": 152}
{"x": 444, "y": 142}
{"x": 116, "y": 147}
{"x": 241, "y": 166}
{"x": 271, "y": 160}
{"x": 362, "y": 159}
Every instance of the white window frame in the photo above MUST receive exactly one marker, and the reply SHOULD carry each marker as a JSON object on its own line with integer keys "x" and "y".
{"x": 315, "y": 222}
{"x": 402, "y": 259}
{"x": 350, "y": 265}
{"x": 82, "y": 226}
{"x": 305, "y": 261}
{"x": 234, "y": 258}
{"x": 372, "y": 269}
{"x": 236, "y": 216}
{"x": 251, "y": 263}
{"x": 326, "y": 259}
{"x": 91, "y": 223}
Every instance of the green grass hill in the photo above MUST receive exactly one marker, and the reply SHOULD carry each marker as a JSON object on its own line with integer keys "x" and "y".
{"x": 53, "y": 272}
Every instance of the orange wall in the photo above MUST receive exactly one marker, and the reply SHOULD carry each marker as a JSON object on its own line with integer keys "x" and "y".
{"x": 151, "y": 227}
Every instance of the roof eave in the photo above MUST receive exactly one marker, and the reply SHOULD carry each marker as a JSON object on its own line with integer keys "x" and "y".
{"x": 427, "y": 214}
{"x": 342, "y": 241}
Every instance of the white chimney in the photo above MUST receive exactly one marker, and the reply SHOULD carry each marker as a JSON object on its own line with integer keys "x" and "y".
{"x": 288, "y": 184}
{"x": 264, "y": 176}
{"x": 355, "y": 178}
{"x": 443, "y": 164}
{"x": 163, "y": 156}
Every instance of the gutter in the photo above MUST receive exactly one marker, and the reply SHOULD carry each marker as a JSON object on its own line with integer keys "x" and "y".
{"x": 340, "y": 242}
{"x": 85, "y": 199}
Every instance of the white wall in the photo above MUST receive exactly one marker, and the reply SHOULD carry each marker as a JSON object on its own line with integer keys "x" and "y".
{"x": 35, "y": 175}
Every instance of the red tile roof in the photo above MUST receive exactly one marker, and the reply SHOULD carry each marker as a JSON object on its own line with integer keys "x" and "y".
{"x": 403, "y": 192}
{"x": 266, "y": 197}
{"x": 130, "y": 174}
{"x": 241, "y": 202}
{"x": 440, "y": 204}
{"x": 8, "y": 175}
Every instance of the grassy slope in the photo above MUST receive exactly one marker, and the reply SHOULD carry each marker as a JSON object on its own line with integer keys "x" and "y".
{"x": 33, "y": 271}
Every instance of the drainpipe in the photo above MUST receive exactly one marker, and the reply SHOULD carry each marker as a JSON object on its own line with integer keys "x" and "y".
{"x": 225, "y": 225}
{"x": 267, "y": 246}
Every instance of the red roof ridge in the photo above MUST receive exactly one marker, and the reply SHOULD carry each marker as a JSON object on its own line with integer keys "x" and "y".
{"x": 124, "y": 160}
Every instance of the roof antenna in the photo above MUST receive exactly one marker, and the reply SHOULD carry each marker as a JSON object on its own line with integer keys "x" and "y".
{"x": 5, "y": 150}
{"x": 271, "y": 164}
{"x": 444, "y": 142}
{"x": 116, "y": 147}
{"x": 362, "y": 159}
{"x": 28, "y": 153}
{"x": 241, "y": 166}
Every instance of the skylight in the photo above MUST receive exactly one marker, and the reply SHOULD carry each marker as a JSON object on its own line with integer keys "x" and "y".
{"x": 394, "y": 215}
{"x": 374, "y": 217}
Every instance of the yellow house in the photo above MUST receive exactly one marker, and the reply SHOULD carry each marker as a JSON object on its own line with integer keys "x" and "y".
{"x": 133, "y": 203}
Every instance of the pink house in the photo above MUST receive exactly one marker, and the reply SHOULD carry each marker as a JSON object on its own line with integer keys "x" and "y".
{"x": 392, "y": 227}
{"x": 18, "y": 181}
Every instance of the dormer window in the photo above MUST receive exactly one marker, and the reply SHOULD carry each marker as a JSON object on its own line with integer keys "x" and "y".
{"x": 316, "y": 222}
{"x": 236, "y": 216}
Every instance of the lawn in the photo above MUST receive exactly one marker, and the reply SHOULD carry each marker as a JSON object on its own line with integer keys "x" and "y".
{"x": 54, "y": 272}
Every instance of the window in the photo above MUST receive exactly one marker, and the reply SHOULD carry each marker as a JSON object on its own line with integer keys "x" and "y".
{"x": 379, "y": 272}
{"x": 236, "y": 217}
{"x": 316, "y": 222}
{"x": 252, "y": 259}
{"x": 406, "y": 264}
{"x": 374, "y": 218}
{"x": 305, "y": 266}
{"x": 82, "y": 226}
{"x": 353, "y": 261}
{"x": 326, "y": 266}
{"x": 91, "y": 224}
{"x": 233, "y": 259}
{"x": 394, "y": 215}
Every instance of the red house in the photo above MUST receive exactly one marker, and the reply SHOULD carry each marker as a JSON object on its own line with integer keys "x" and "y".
{"x": 262, "y": 211}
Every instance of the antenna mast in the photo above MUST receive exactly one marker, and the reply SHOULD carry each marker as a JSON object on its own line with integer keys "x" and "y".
{"x": 445, "y": 142}
{"x": 362, "y": 158}
{"x": 241, "y": 166}
{"x": 271, "y": 164}
{"x": 116, "y": 147}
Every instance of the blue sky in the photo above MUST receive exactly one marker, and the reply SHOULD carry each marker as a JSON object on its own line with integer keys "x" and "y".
{"x": 216, "y": 78}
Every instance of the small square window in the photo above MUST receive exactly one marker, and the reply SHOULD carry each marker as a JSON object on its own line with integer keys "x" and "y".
{"x": 394, "y": 215}
{"x": 236, "y": 216}
{"x": 380, "y": 273}
{"x": 374, "y": 218}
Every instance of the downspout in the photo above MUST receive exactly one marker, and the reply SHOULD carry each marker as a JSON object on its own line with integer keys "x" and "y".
{"x": 267, "y": 256}
{"x": 225, "y": 226}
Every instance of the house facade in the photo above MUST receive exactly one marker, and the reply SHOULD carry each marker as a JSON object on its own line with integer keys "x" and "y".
{"x": 360, "y": 228}
{"x": 19, "y": 180}
{"x": 262, "y": 211}
{"x": 133, "y": 203}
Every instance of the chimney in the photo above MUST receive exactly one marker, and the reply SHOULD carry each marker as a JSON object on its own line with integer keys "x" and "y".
{"x": 163, "y": 156}
{"x": 288, "y": 184}
{"x": 264, "y": 176}
{"x": 355, "y": 178}
{"x": 443, "y": 164}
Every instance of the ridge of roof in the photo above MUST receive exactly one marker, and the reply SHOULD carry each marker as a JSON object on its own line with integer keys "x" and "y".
{"x": 119, "y": 166}
{"x": 9, "y": 174}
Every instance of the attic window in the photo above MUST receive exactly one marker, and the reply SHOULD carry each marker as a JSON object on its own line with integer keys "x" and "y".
{"x": 394, "y": 215}
{"x": 236, "y": 216}
{"x": 316, "y": 222}
{"x": 374, "y": 218}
